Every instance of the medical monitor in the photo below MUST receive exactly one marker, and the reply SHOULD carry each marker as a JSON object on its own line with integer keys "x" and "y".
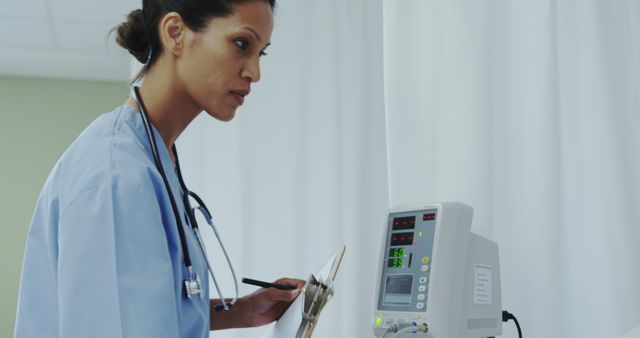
{"x": 433, "y": 270}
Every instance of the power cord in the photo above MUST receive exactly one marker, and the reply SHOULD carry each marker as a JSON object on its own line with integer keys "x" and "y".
{"x": 397, "y": 329}
{"x": 506, "y": 316}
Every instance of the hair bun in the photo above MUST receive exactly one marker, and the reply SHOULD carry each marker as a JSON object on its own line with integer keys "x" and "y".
{"x": 132, "y": 36}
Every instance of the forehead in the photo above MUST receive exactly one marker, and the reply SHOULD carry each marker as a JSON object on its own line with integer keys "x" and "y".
{"x": 256, "y": 16}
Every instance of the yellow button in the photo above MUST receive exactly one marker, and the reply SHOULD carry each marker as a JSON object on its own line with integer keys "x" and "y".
{"x": 426, "y": 260}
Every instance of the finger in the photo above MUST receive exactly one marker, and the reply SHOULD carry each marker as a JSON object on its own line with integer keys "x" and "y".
{"x": 283, "y": 295}
{"x": 297, "y": 283}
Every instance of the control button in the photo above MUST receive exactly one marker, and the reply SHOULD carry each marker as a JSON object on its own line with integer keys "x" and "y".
{"x": 424, "y": 268}
{"x": 423, "y": 280}
{"x": 421, "y": 296}
{"x": 426, "y": 260}
{"x": 422, "y": 288}
{"x": 420, "y": 305}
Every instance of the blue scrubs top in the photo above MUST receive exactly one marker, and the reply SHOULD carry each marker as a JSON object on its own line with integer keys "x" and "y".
{"x": 103, "y": 256}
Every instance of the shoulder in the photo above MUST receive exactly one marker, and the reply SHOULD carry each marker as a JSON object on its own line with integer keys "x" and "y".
{"x": 112, "y": 148}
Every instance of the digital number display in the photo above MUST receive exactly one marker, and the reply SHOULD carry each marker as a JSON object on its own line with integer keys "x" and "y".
{"x": 402, "y": 238}
{"x": 429, "y": 217}
{"x": 404, "y": 223}
{"x": 395, "y": 263}
{"x": 397, "y": 252}
{"x": 398, "y": 257}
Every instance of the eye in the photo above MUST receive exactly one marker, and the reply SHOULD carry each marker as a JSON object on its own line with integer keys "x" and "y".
{"x": 263, "y": 53}
{"x": 243, "y": 44}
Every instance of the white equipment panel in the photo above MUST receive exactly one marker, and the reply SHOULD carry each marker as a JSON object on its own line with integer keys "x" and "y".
{"x": 432, "y": 270}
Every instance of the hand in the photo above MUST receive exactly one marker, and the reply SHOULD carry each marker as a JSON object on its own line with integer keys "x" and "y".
{"x": 269, "y": 304}
{"x": 259, "y": 308}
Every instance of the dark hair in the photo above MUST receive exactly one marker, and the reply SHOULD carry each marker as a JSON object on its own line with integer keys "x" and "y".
{"x": 139, "y": 34}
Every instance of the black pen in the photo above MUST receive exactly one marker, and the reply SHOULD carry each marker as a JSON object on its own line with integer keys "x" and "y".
{"x": 267, "y": 285}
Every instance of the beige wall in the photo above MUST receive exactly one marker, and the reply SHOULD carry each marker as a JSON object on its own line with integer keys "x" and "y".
{"x": 38, "y": 120}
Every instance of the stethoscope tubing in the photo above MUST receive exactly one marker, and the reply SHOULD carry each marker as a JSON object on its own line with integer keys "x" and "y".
{"x": 194, "y": 224}
{"x": 158, "y": 162}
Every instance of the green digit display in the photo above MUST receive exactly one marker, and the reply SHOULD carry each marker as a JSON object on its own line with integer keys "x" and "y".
{"x": 396, "y": 257}
{"x": 396, "y": 263}
{"x": 398, "y": 252}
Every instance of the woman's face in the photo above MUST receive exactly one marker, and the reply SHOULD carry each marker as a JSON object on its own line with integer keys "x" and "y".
{"x": 220, "y": 63}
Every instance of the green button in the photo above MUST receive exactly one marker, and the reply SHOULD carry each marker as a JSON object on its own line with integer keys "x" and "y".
{"x": 379, "y": 321}
{"x": 426, "y": 260}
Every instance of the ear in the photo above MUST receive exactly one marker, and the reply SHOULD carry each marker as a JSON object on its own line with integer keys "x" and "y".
{"x": 172, "y": 33}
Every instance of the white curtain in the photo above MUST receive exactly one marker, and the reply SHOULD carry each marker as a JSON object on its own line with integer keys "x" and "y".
{"x": 529, "y": 111}
{"x": 302, "y": 169}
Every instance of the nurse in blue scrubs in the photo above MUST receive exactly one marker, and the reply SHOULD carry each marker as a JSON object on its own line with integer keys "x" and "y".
{"x": 103, "y": 256}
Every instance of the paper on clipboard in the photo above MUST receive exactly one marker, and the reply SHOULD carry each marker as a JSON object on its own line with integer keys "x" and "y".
{"x": 300, "y": 319}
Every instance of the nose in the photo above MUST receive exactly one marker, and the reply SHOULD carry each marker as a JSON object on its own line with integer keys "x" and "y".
{"x": 251, "y": 70}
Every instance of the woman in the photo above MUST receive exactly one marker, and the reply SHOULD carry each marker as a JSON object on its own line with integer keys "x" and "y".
{"x": 104, "y": 256}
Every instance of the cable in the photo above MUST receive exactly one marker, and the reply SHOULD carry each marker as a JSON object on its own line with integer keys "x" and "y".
{"x": 401, "y": 328}
{"x": 506, "y": 316}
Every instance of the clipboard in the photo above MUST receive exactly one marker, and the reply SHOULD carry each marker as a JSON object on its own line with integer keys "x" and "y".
{"x": 301, "y": 318}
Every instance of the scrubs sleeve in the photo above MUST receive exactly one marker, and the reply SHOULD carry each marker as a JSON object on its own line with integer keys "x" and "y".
{"x": 115, "y": 273}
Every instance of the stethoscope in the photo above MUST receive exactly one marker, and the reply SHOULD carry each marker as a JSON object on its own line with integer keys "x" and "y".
{"x": 193, "y": 284}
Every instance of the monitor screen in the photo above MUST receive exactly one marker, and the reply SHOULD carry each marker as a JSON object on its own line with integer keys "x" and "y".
{"x": 398, "y": 290}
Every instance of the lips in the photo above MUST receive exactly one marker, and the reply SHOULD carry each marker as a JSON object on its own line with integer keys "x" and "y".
{"x": 240, "y": 94}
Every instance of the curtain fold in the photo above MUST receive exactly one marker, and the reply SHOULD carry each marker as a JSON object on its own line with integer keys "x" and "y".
{"x": 302, "y": 168}
{"x": 533, "y": 118}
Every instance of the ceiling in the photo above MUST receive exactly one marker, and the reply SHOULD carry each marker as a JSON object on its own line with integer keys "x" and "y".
{"x": 63, "y": 39}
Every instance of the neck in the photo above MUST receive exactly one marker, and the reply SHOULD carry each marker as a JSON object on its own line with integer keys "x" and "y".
{"x": 169, "y": 107}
